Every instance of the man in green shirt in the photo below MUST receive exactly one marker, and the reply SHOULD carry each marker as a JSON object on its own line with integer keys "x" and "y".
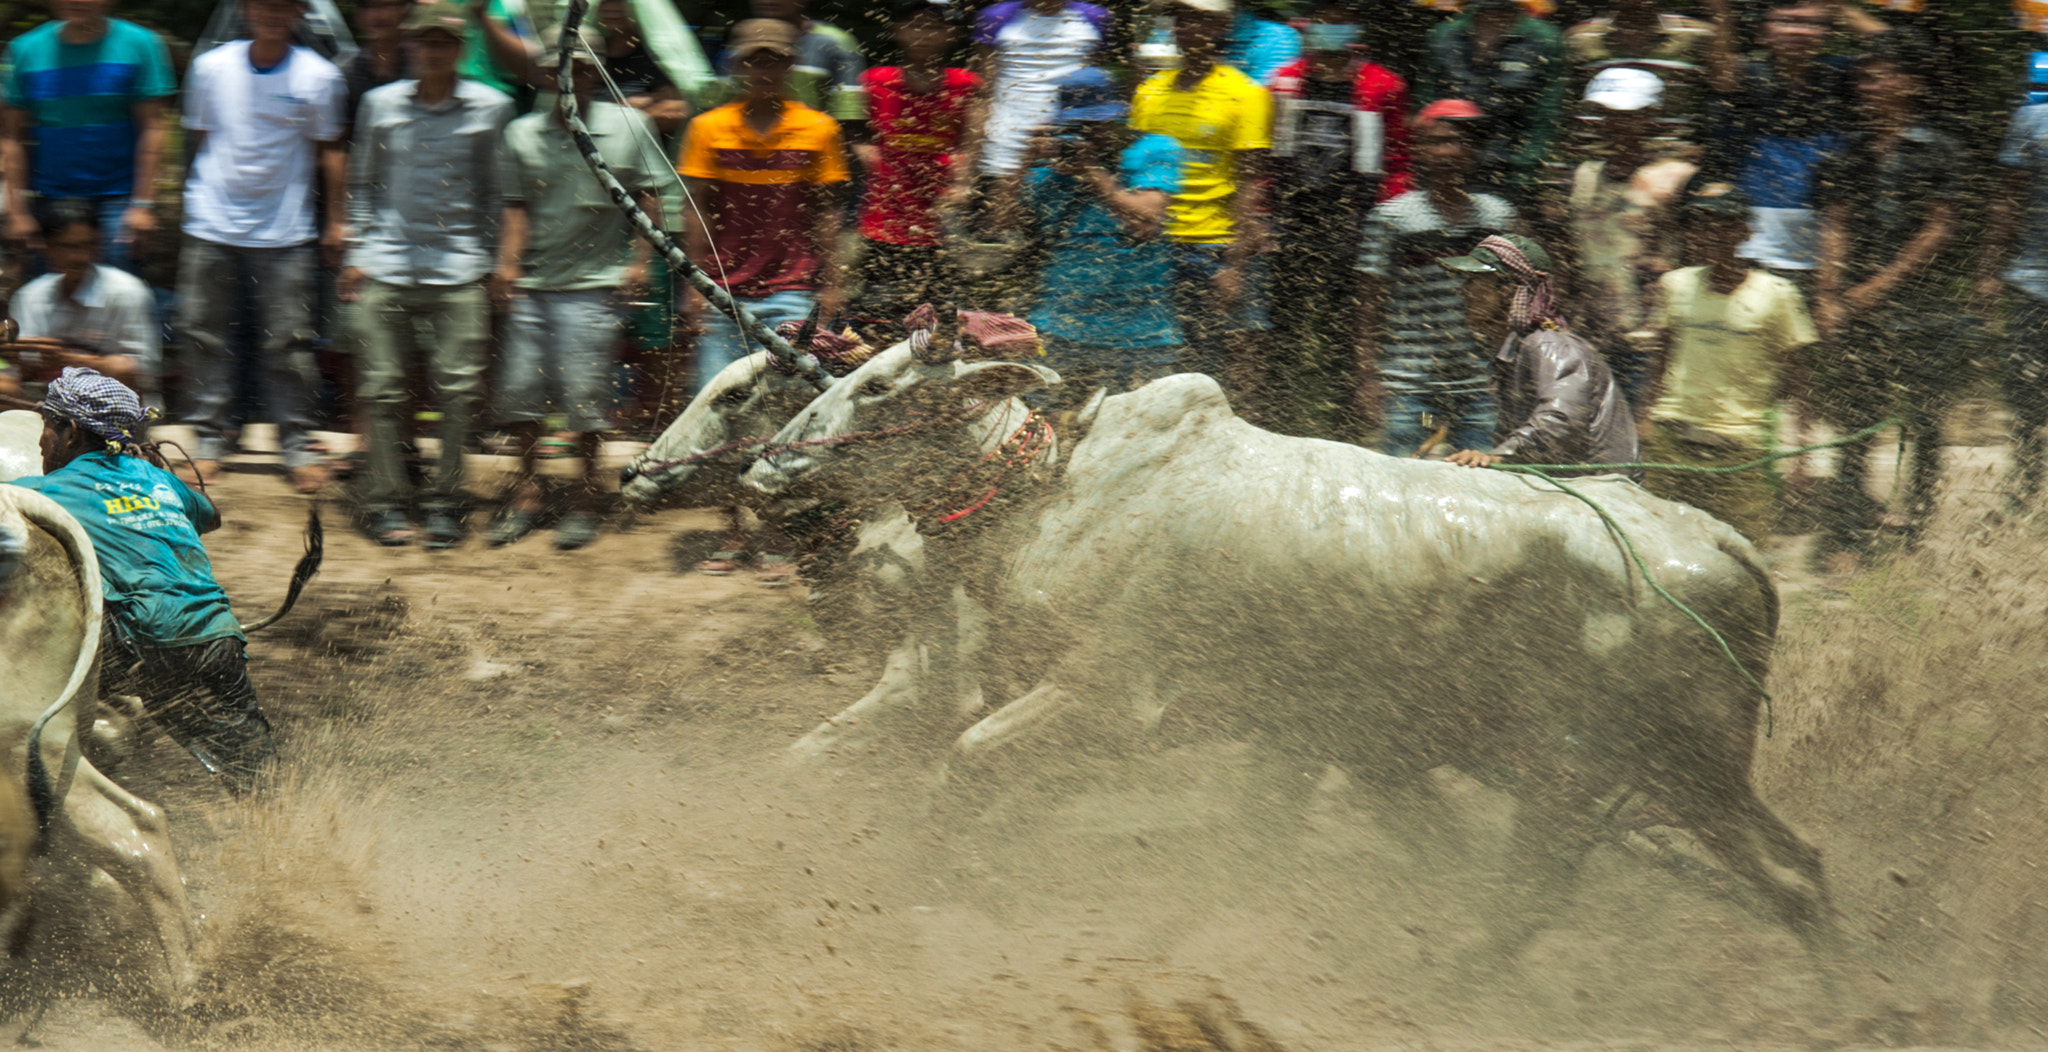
{"x": 1513, "y": 66}
{"x": 567, "y": 260}
{"x": 170, "y": 637}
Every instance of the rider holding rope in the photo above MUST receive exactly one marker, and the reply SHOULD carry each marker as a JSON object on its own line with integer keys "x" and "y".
{"x": 170, "y": 636}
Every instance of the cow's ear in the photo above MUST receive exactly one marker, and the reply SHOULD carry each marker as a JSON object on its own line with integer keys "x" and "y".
{"x": 1000, "y": 379}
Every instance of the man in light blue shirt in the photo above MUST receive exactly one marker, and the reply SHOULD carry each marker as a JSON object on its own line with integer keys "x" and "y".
{"x": 1099, "y": 191}
{"x": 424, "y": 200}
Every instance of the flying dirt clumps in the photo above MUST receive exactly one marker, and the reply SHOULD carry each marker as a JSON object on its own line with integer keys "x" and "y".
{"x": 1212, "y": 1025}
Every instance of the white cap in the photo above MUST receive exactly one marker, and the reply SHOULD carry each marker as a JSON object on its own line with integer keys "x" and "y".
{"x": 1626, "y": 88}
{"x": 1214, "y": 7}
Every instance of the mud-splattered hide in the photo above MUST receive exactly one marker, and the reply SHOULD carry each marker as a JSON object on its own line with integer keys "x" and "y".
{"x": 871, "y": 597}
{"x": 1387, "y": 614}
{"x": 50, "y": 614}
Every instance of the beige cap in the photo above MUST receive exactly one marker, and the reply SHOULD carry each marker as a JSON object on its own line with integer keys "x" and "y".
{"x": 762, "y": 34}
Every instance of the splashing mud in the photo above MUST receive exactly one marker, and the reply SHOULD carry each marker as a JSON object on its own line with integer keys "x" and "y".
{"x": 537, "y": 801}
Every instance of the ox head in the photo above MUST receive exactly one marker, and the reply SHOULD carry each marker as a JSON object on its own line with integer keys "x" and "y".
{"x": 747, "y": 399}
{"x": 913, "y": 412}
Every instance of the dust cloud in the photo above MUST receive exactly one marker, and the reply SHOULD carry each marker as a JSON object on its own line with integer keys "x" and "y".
{"x": 539, "y": 801}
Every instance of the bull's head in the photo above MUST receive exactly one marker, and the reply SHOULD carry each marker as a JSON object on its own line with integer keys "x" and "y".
{"x": 893, "y": 427}
{"x": 747, "y": 399}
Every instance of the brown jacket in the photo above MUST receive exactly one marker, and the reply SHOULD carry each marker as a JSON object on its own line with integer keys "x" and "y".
{"x": 1559, "y": 404}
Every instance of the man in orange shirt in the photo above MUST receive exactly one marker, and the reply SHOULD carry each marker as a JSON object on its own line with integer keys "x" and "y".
{"x": 767, "y": 173}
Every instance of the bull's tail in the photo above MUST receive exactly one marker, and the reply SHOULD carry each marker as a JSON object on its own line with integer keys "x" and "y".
{"x": 309, "y": 564}
{"x": 47, "y": 514}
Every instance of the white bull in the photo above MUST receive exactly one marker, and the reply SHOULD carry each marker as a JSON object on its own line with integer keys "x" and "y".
{"x": 50, "y": 615}
{"x": 864, "y": 594}
{"x": 1390, "y": 615}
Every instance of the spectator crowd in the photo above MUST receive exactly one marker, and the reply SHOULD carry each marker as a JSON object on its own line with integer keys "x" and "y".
{"x": 1748, "y": 221}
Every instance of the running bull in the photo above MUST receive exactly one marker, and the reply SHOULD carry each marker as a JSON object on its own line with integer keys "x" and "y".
{"x": 51, "y": 609}
{"x": 1388, "y": 615}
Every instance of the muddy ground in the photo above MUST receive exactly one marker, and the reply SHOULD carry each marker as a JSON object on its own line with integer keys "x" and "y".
{"x": 536, "y": 800}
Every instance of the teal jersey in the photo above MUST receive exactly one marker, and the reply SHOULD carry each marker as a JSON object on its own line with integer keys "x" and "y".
{"x": 144, "y": 524}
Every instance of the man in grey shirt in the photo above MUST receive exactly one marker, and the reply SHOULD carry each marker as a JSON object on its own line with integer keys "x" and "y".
{"x": 424, "y": 200}
{"x": 1558, "y": 402}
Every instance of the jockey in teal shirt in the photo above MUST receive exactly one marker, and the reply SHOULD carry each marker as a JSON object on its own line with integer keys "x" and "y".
{"x": 171, "y": 638}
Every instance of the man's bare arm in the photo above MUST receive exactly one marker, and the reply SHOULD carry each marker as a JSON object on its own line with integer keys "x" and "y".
{"x": 1995, "y": 243}
{"x": 149, "y": 152}
{"x": 1934, "y": 234}
{"x": 21, "y": 222}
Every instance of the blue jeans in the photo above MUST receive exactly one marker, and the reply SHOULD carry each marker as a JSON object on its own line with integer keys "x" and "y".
{"x": 1202, "y": 324}
{"x": 722, "y": 343}
{"x": 1468, "y": 418}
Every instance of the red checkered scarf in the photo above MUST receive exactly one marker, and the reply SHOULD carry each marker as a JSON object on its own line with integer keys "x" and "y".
{"x": 838, "y": 353}
{"x": 996, "y": 335}
{"x": 1535, "y": 302}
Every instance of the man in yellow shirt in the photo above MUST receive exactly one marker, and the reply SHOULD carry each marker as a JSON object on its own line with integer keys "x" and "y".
{"x": 1223, "y": 122}
{"x": 1734, "y": 335}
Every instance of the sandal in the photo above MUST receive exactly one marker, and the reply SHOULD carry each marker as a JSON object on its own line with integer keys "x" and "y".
{"x": 516, "y": 523}
{"x": 776, "y": 570}
{"x": 444, "y": 530}
{"x": 721, "y": 564}
{"x": 392, "y": 529}
{"x": 578, "y": 529}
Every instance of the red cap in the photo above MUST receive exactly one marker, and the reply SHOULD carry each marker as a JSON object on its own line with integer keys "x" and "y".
{"x": 1447, "y": 110}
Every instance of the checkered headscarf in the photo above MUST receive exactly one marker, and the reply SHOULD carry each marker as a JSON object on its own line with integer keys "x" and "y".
{"x": 1535, "y": 302}
{"x": 100, "y": 404}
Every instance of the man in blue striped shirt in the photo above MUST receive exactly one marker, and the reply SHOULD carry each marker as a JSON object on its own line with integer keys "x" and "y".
{"x": 84, "y": 95}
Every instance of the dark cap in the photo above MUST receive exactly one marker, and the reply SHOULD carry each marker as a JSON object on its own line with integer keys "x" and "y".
{"x": 1091, "y": 94}
{"x": 1716, "y": 197}
{"x": 1910, "y": 50}
{"x": 762, "y": 34}
{"x": 444, "y": 17}
{"x": 1483, "y": 260}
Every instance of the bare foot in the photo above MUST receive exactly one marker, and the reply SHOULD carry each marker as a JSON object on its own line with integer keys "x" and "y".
{"x": 194, "y": 472}
{"x": 310, "y": 478}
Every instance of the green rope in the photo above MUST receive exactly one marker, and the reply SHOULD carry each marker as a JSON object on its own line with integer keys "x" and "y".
{"x": 1629, "y": 546}
{"x": 1541, "y": 471}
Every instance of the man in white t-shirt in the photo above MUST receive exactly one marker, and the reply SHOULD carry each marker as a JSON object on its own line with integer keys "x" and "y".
{"x": 1023, "y": 49}
{"x": 267, "y": 117}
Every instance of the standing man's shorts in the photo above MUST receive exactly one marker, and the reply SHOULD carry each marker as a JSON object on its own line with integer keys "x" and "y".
{"x": 1467, "y": 418}
{"x": 559, "y": 349}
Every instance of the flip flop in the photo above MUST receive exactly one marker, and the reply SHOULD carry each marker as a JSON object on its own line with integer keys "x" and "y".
{"x": 578, "y": 529}
{"x": 776, "y": 570}
{"x": 721, "y": 564}
{"x": 515, "y": 524}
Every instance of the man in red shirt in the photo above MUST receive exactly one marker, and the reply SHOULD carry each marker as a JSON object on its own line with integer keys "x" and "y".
{"x": 920, "y": 118}
{"x": 1340, "y": 145}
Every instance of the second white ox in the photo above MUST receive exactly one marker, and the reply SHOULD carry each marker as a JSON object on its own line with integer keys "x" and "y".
{"x": 865, "y": 591}
{"x": 1389, "y": 615}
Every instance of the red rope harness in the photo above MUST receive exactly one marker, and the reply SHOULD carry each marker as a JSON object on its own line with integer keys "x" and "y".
{"x": 998, "y": 468}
